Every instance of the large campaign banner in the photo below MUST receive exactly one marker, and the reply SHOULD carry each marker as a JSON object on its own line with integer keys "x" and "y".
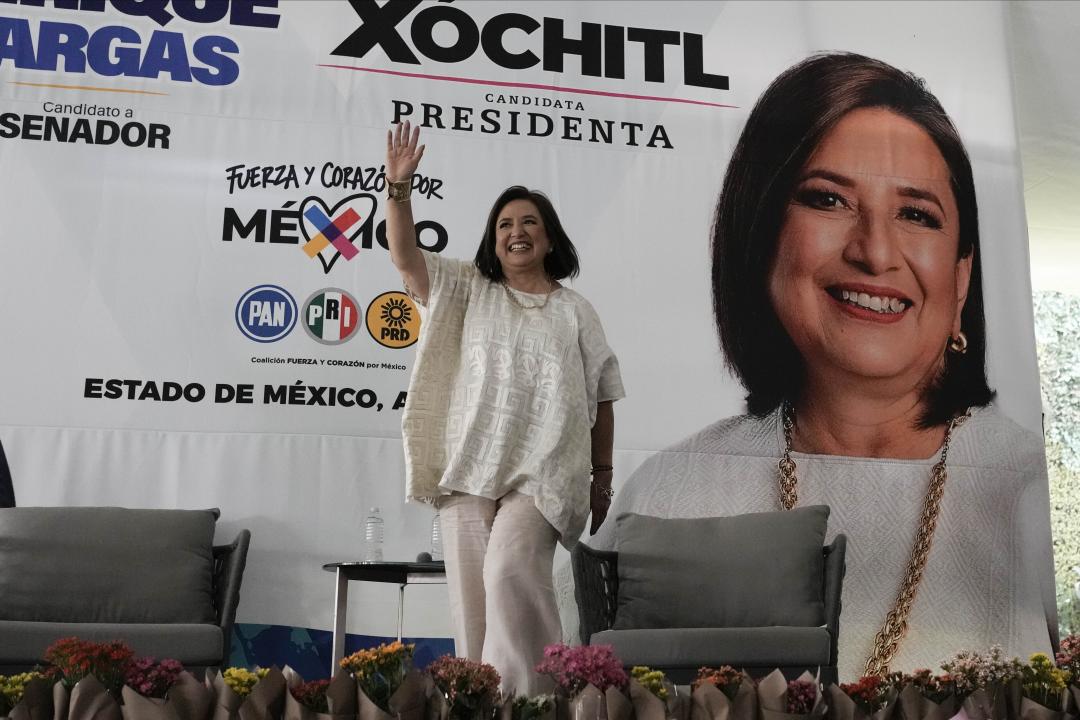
{"x": 199, "y": 309}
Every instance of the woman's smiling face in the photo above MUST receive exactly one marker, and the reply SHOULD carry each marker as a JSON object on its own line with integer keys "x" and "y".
{"x": 521, "y": 240}
{"x": 865, "y": 278}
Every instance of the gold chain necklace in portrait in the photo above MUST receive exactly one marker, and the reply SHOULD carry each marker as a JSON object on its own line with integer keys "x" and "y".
{"x": 514, "y": 298}
{"x": 887, "y": 641}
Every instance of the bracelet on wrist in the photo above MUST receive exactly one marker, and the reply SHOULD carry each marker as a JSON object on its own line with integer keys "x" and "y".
{"x": 605, "y": 491}
{"x": 399, "y": 190}
{"x": 601, "y": 468}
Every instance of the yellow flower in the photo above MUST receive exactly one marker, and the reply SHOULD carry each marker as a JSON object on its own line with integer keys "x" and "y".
{"x": 651, "y": 680}
{"x": 12, "y": 687}
{"x": 241, "y": 680}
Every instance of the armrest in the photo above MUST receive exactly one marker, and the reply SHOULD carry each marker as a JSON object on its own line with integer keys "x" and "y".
{"x": 835, "y": 568}
{"x": 229, "y": 562}
{"x": 596, "y": 588}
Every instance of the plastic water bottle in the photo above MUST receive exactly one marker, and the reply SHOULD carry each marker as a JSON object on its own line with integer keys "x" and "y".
{"x": 436, "y": 539}
{"x": 373, "y": 536}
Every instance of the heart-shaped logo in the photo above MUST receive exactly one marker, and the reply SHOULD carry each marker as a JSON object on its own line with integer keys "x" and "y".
{"x": 329, "y": 232}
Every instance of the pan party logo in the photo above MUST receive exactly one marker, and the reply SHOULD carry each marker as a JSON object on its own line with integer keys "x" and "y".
{"x": 393, "y": 320}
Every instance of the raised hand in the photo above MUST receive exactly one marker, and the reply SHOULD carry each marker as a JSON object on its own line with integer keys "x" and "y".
{"x": 402, "y": 153}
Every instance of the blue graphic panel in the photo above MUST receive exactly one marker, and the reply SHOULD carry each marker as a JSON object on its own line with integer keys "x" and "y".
{"x": 308, "y": 651}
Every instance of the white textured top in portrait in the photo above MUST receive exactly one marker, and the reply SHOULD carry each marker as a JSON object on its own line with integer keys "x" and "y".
{"x": 989, "y": 577}
{"x": 503, "y": 394}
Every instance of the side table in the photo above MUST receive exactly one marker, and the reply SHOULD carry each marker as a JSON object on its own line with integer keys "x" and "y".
{"x": 402, "y": 573}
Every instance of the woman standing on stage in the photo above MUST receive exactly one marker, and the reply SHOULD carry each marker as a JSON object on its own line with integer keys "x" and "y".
{"x": 508, "y": 426}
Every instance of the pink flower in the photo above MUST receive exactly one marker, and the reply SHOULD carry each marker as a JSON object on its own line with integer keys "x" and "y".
{"x": 572, "y": 668}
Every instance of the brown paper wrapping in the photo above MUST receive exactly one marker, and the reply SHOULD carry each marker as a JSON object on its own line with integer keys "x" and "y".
{"x": 1032, "y": 710}
{"x": 36, "y": 703}
{"x": 842, "y": 707}
{"x": 989, "y": 703}
{"x": 911, "y": 705}
{"x": 505, "y": 711}
{"x": 772, "y": 698}
{"x": 592, "y": 704}
{"x": 409, "y": 702}
{"x": 437, "y": 706}
{"x": 188, "y": 699}
{"x": 646, "y": 705}
{"x": 649, "y": 707}
{"x": 709, "y": 702}
{"x": 264, "y": 703}
{"x": 1013, "y": 692}
{"x": 678, "y": 702}
{"x": 340, "y": 698}
{"x": 1074, "y": 699}
{"x": 88, "y": 700}
{"x": 61, "y": 700}
{"x": 589, "y": 704}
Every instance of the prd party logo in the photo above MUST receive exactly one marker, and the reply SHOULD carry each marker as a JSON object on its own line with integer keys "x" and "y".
{"x": 331, "y": 316}
{"x": 329, "y": 232}
{"x": 393, "y": 320}
{"x": 266, "y": 313}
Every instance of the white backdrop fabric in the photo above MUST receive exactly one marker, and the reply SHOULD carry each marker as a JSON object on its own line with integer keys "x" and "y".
{"x": 113, "y": 263}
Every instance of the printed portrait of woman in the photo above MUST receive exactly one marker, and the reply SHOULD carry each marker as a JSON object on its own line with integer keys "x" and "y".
{"x": 848, "y": 299}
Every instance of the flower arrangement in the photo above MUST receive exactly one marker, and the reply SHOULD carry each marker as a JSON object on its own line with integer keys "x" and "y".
{"x": 801, "y": 695}
{"x": 72, "y": 659}
{"x": 12, "y": 688}
{"x": 1044, "y": 683}
{"x": 725, "y": 678}
{"x": 573, "y": 668}
{"x": 971, "y": 671}
{"x": 241, "y": 680}
{"x": 152, "y": 678}
{"x": 935, "y": 688}
{"x": 1068, "y": 656}
{"x": 870, "y": 693}
{"x": 380, "y": 671}
{"x": 651, "y": 680}
{"x": 469, "y": 686}
{"x": 312, "y": 695}
{"x": 531, "y": 708}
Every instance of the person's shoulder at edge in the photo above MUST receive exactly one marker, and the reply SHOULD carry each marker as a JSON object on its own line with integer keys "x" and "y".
{"x": 434, "y": 259}
{"x": 738, "y": 436}
{"x": 744, "y": 435}
{"x": 569, "y": 294}
{"x": 989, "y": 439}
{"x": 440, "y": 268}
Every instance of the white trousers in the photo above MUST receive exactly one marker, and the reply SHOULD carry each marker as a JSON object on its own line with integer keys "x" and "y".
{"x": 499, "y": 556}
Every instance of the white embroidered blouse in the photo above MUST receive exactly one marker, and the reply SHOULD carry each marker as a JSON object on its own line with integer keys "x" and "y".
{"x": 504, "y": 397}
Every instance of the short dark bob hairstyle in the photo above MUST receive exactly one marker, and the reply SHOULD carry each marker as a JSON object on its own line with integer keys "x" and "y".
{"x": 561, "y": 262}
{"x": 783, "y": 130}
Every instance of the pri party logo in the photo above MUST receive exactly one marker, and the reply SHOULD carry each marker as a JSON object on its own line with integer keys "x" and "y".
{"x": 331, "y": 316}
{"x": 329, "y": 232}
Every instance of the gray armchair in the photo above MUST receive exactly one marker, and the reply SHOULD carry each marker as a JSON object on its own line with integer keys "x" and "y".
{"x": 229, "y": 563}
{"x": 7, "y": 489}
{"x": 679, "y": 652}
{"x": 152, "y": 578}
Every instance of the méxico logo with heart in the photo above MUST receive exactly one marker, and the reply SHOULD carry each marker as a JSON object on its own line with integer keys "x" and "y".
{"x": 330, "y": 232}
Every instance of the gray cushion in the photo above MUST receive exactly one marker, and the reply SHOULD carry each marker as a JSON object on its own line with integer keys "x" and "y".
{"x": 750, "y": 570}
{"x": 24, "y": 643}
{"x": 106, "y": 565}
{"x": 693, "y": 648}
